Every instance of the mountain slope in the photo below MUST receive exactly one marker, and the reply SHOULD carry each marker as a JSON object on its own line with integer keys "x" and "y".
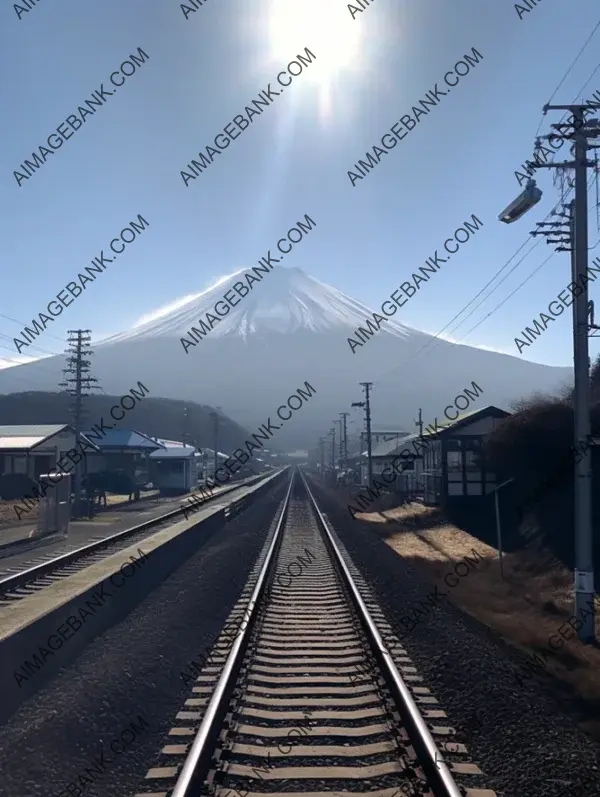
{"x": 288, "y": 329}
{"x": 162, "y": 418}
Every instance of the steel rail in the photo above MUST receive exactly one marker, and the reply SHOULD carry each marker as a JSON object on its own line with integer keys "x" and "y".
{"x": 426, "y": 748}
{"x": 199, "y": 758}
{"x": 25, "y": 577}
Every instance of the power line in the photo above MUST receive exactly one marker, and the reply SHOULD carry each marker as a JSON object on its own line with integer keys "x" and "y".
{"x": 518, "y": 286}
{"x": 577, "y": 57}
{"x": 495, "y": 288}
{"x": 436, "y": 337}
{"x": 23, "y": 325}
{"x": 568, "y": 72}
{"x": 44, "y": 351}
{"x": 498, "y": 306}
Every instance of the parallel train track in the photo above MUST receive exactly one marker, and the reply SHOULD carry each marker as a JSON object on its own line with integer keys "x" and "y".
{"x": 29, "y": 580}
{"x": 307, "y": 692}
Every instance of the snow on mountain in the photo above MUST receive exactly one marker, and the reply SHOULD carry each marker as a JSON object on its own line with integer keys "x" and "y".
{"x": 288, "y": 301}
{"x": 291, "y": 329}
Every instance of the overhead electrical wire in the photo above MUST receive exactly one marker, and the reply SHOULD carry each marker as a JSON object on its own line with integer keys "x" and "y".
{"x": 515, "y": 290}
{"x": 494, "y": 289}
{"x": 22, "y": 325}
{"x": 40, "y": 361}
{"x": 512, "y": 293}
{"x": 568, "y": 72}
{"x": 436, "y": 338}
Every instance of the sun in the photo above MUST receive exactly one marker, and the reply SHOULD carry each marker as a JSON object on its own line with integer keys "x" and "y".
{"x": 324, "y": 26}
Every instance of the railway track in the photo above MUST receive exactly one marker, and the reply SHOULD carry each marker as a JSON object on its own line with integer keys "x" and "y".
{"x": 307, "y": 692}
{"x": 27, "y": 581}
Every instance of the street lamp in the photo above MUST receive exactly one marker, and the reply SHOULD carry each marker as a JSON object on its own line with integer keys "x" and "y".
{"x": 523, "y": 203}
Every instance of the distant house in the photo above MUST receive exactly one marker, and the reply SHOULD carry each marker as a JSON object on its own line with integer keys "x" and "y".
{"x": 446, "y": 466}
{"x": 34, "y": 449}
{"x": 205, "y": 462}
{"x": 379, "y": 437}
{"x": 124, "y": 450}
{"x": 173, "y": 468}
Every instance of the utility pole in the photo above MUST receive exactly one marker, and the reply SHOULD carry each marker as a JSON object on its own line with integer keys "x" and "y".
{"x": 76, "y": 383}
{"x": 345, "y": 455}
{"x": 185, "y": 426}
{"x": 582, "y": 130}
{"x": 419, "y": 423}
{"x": 339, "y": 420}
{"x": 215, "y": 416}
{"x": 332, "y": 433}
{"x": 322, "y": 447}
{"x": 367, "y": 405}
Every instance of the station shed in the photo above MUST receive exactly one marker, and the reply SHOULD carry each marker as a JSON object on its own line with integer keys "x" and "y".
{"x": 173, "y": 468}
{"x": 123, "y": 450}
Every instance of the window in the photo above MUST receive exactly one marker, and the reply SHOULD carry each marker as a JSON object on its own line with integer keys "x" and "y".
{"x": 170, "y": 466}
{"x": 473, "y": 460}
{"x": 454, "y": 460}
{"x": 19, "y": 464}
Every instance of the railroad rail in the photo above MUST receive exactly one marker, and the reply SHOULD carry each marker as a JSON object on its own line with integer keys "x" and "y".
{"x": 302, "y": 696}
{"x": 24, "y": 582}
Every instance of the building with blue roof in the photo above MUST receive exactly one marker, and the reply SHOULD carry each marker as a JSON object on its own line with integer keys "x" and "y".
{"x": 173, "y": 468}
{"x": 122, "y": 450}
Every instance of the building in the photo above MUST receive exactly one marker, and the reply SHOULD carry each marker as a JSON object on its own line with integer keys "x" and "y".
{"x": 383, "y": 437}
{"x": 205, "y": 462}
{"x": 447, "y": 466}
{"x": 123, "y": 450}
{"x": 173, "y": 468}
{"x": 34, "y": 449}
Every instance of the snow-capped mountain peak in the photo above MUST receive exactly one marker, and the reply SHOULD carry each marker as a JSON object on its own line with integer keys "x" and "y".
{"x": 283, "y": 300}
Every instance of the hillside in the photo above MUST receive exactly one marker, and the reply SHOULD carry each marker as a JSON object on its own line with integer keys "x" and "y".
{"x": 157, "y": 417}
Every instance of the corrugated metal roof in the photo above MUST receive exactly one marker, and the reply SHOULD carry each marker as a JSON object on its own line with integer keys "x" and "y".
{"x": 210, "y": 453}
{"x": 26, "y": 436}
{"x": 23, "y": 443}
{"x": 435, "y": 430}
{"x": 174, "y": 452}
{"x": 123, "y": 438}
{"x": 385, "y": 448}
{"x": 41, "y": 430}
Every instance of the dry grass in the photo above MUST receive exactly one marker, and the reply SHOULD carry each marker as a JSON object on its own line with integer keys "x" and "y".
{"x": 8, "y": 517}
{"x": 525, "y": 608}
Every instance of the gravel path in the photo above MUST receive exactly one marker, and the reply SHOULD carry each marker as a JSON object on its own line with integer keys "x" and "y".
{"x": 518, "y": 735}
{"x": 131, "y": 671}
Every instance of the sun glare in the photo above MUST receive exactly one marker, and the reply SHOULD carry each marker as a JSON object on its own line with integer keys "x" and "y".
{"x": 326, "y": 28}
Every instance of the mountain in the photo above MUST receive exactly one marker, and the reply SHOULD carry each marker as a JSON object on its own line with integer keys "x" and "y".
{"x": 286, "y": 330}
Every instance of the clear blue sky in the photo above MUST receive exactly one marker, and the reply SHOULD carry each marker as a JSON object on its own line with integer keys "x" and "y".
{"x": 293, "y": 160}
